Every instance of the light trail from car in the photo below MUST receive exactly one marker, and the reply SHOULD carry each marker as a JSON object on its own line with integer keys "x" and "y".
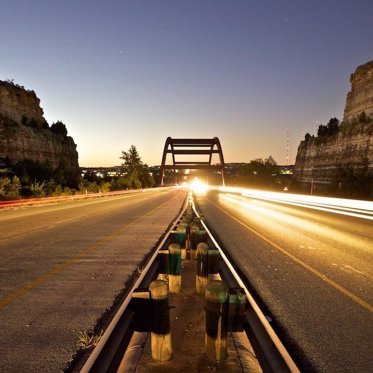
{"x": 355, "y": 208}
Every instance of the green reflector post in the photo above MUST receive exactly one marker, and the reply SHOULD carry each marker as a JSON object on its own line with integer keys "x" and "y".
{"x": 181, "y": 239}
{"x": 174, "y": 276}
{"x": 202, "y": 269}
{"x": 216, "y": 296}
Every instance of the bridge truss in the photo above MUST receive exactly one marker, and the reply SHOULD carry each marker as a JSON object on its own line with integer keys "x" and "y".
{"x": 191, "y": 147}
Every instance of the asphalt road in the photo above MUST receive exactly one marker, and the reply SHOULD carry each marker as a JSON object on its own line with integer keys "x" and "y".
{"x": 62, "y": 265}
{"x": 313, "y": 272}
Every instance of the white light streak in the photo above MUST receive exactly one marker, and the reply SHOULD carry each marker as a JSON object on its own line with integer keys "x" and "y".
{"x": 355, "y": 208}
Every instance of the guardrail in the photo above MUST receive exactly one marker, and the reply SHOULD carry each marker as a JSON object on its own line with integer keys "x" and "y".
{"x": 117, "y": 335}
{"x": 107, "y": 355}
{"x": 270, "y": 350}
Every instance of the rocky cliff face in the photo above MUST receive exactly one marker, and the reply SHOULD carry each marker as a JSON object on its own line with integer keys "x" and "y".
{"x": 360, "y": 98}
{"x": 25, "y": 134}
{"x": 322, "y": 160}
{"x": 346, "y": 156}
{"x": 20, "y": 105}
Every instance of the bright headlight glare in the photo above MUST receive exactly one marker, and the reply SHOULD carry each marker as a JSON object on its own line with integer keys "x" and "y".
{"x": 198, "y": 187}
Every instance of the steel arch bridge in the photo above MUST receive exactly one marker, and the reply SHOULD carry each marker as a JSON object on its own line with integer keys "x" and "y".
{"x": 204, "y": 147}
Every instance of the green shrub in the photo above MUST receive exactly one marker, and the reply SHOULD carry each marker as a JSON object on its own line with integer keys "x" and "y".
{"x": 38, "y": 189}
{"x": 10, "y": 188}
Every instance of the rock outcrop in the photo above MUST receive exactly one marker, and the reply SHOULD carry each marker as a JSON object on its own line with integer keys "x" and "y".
{"x": 360, "y": 98}
{"x": 20, "y": 105}
{"x": 25, "y": 134}
{"x": 329, "y": 162}
{"x": 321, "y": 160}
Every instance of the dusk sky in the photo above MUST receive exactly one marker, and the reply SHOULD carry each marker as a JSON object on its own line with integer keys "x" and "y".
{"x": 119, "y": 73}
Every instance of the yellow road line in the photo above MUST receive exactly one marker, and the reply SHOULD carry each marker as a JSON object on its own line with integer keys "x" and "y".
{"x": 9, "y": 299}
{"x": 303, "y": 264}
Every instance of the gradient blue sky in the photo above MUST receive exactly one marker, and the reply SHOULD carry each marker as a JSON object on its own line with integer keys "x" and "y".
{"x": 134, "y": 72}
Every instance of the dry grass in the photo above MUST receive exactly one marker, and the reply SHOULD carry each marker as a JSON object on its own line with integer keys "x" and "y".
{"x": 87, "y": 339}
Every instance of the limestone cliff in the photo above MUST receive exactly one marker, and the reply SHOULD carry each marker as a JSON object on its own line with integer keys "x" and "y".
{"x": 20, "y": 105}
{"x": 25, "y": 134}
{"x": 360, "y": 98}
{"x": 321, "y": 160}
{"x": 345, "y": 156}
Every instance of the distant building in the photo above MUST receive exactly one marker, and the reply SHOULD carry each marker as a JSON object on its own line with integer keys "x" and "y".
{"x": 102, "y": 172}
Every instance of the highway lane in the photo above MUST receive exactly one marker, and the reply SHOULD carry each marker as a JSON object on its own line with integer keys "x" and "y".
{"x": 311, "y": 269}
{"x": 62, "y": 265}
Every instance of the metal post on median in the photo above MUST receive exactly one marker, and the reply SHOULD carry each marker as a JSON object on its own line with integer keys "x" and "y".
{"x": 213, "y": 264}
{"x": 181, "y": 236}
{"x": 193, "y": 236}
{"x": 216, "y": 296}
{"x": 202, "y": 267}
{"x": 174, "y": 272}
{"x": 161, "y": 345}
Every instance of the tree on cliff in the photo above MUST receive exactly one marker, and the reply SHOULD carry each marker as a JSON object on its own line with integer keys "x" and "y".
{"x": 59, "y": 128}
{"x": 330, "y": 129}
{"x": 322, "y": 130}
{"x": 137, "y": 173}
{"x": 307, "y": 137}
{"x": 333, "y": 126}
